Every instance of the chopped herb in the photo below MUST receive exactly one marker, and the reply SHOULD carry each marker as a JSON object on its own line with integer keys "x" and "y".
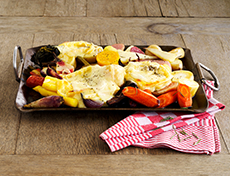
{"x": 195, "y": 135}
{"x": 184, "y": 108}
{"x": 187, "y": 138}
{"x": 197, "y": 142}
{"x": 183, "y": 132}
{"x": 167, "y": 118}
{"x": 173, "y": 136}
{"x": 176, "y": 132}
{"x": 175, "y": 93}
{"x": 181, "y": 94}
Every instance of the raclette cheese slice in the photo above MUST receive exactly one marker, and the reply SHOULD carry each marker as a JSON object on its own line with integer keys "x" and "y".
{"x": 97, "y": 82}
{"x": 148, "y": 75}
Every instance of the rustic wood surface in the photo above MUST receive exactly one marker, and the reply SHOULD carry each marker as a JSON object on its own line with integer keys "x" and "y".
{"x": 67, "y": 143}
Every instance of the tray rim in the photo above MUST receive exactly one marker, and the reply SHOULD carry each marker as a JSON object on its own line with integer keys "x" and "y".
{"x": 189, "y": 110}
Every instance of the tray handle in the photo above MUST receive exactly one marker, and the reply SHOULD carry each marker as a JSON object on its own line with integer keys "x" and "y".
{"x": 203, "y": 79}
{"x": 18, "y": 70}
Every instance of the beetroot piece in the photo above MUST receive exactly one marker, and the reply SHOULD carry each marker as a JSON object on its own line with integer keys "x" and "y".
{"x": 46, "y": 102}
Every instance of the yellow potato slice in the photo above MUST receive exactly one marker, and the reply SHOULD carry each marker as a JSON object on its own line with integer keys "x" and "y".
{"x": 180, "y": 74}
{"x": 193, "y": 85}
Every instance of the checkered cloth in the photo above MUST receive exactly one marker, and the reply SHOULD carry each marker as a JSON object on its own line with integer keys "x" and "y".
{"x": 191, "y": 133}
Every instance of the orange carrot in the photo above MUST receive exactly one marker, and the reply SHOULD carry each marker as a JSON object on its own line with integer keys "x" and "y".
{"x": 148, "y": 91}
{"x": 167, "y": 99}
{"x": 184, "y": 96}
{"x": 141, "y": 96}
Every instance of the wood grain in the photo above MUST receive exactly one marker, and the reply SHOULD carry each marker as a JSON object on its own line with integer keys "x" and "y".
{"x": 51, "y": 38}
{"x": 67, "y": 143}
{"x": 103, "y": 8}
{"x": 90, "y": 37}
{"x": 65, "y": 8}
{"x": 148, "y": 39}
{"x": 194, "y": 8}
{"x": 132, "y": 25}
{"x": 215, "y": 50}
{"x": 207, "y": 8}
{"x": 132, "y": 8}
{"x": 9, "y": 115}
{"x": 99, "y": 165}
{"x": 22, "y": 8}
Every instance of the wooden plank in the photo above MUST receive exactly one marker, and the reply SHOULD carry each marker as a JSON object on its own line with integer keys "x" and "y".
{"x": 195, "y": 8}
{"x": 213, "y": 51}
{"x": 165, "y": 26}
{"x": 91, "y": 37}
{"x": 52, "y": 38}
{"x": 207, "y": 8}
{"x": 9, "y": 115}
{"x": 104, "y": 8}
{"x": 65, "y": 8}
{"x": 108, "y": 39}
{"x": 168, "y": 8}
{"x": 22, "y": 8}
{"x": 114, "y": 165}
{"x": 148, "y": 39}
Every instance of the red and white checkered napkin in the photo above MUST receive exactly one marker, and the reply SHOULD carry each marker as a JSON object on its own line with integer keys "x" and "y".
{"x": 155, "y": 130}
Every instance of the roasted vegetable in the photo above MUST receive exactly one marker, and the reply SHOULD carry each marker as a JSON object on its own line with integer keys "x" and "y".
{"x": 141, "y": 96}
{"x": 184, "y": 96}
{"x": 134, "y": 49}
{"x": 50, "y": 83}
{"x": 167, "y": 99}
{"x": 44, "y": 71}
{"x": 179, "y": 52}
{"x": 157, "y": 51}
{"x": 92, "y": 104}
{"x": 53, "y": 73}
{"x": 119, "y": 100}
{"x": 34, "y": 81}
{"x": 172, "y": 86}
{"x": 119, "y": 46}
{"x": 36, "y": 72}
{"x": 193, "y": 85}
{"x": 45, "y": 54}
{"x": 107, "y": 58}
{"x": 177, "y": 64}
{"x": 44, "y": 92}
{"x": 64, "y": 68}
{"x": 46, "y": 102}
{"x": 180, "y": 74}
{"x": 69, "y": 101}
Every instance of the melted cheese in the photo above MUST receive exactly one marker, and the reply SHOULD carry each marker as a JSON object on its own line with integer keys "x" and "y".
{"x": 148, "y": 75}
{"x": 126, "y": 56}
{"x": 97, "y": 82}
{"x": 70, "y": 50}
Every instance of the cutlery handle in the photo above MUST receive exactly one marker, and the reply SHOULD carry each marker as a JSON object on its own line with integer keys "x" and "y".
{"x": 18, "y": 70}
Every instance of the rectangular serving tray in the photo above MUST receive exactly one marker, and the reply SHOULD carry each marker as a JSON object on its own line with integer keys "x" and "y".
{"x": 26, "y": 95}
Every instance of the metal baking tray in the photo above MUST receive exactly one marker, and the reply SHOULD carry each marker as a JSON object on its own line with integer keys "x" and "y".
{"x": 26, "y": 95}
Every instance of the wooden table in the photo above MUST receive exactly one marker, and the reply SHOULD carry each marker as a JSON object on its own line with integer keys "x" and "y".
{"x": 67, "y": 143}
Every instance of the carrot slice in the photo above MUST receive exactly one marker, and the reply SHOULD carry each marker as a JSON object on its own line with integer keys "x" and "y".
{"x": 167, "y": 99}
{"x": 107, "y": 58}
{"x": 141, "y": 96}
{"x": 184, "y": 96}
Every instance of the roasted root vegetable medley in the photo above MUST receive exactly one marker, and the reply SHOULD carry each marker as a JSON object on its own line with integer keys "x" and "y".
{"x": 84, "y": 75}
